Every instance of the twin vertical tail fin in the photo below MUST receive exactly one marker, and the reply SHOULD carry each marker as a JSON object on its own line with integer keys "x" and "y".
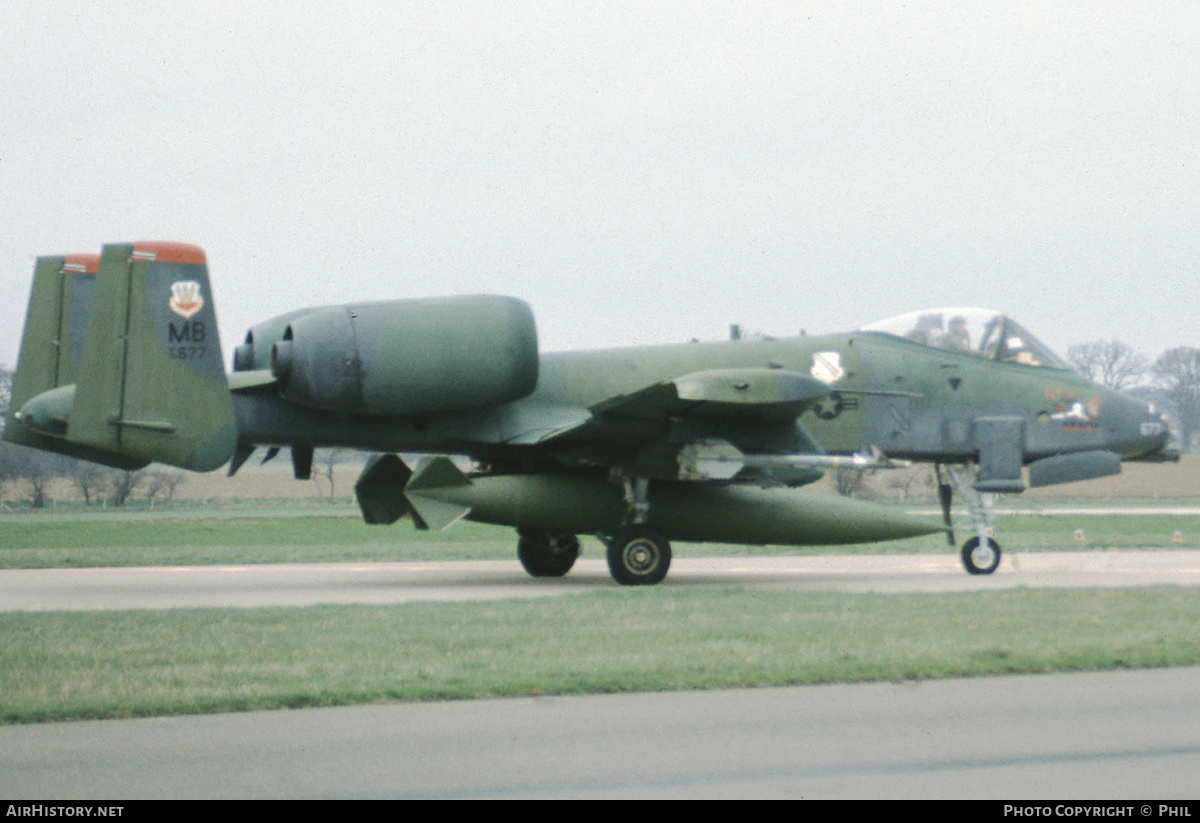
{"x": 123, "y": 367}
{"x": 60, "y": 304}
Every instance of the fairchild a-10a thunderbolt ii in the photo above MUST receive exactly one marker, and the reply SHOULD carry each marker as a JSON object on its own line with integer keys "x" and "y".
{"x": 121, "y": 364}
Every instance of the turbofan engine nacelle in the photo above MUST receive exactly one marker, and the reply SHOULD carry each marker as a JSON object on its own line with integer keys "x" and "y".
{"x": 409, "y": 356}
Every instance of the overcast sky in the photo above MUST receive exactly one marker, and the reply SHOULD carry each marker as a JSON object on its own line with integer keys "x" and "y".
{"x": 639, "y": 172}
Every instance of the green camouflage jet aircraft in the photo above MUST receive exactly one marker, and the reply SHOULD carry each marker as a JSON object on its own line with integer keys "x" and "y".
{"x": 120, "y": 364}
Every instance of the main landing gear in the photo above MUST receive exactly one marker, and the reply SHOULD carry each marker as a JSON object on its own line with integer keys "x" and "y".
{"x": 637, "y": 554}
{"x": 546, "y": 555}
{"x": 980, "y": 554}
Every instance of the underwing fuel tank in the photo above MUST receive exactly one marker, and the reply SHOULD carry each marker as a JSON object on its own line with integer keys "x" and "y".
{"x": 439, "y": 495}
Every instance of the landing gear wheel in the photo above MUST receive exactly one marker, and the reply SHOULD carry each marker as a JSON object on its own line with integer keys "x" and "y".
{"x": 547, "y": 555}
{"x": 981, "y": 558}
{"x": 638, "y": 557}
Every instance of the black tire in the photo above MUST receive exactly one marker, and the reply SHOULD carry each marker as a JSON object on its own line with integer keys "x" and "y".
{"x": 638, "y": 557}
{"x": 981, "y": 559}
{"x": 547, "y": 555}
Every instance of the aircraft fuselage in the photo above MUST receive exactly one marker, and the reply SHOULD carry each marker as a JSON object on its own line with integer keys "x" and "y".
{"x": 908, "y": 400}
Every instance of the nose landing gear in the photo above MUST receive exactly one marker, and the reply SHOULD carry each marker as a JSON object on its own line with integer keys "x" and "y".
{"x": 980, "y": 554}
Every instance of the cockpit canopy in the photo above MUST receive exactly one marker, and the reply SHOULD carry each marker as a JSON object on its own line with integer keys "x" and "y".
{"x": 979, "y": 332}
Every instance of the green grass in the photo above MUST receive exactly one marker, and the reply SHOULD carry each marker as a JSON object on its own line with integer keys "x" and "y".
{"x": 191, "y": 538}
{"x": 1056, "y": 532}
{"x": 121, "y": 664}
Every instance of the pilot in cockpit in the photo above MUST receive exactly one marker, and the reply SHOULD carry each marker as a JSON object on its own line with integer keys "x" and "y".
{"x": 956, "y": 338}
{"x": 928, "y": 329}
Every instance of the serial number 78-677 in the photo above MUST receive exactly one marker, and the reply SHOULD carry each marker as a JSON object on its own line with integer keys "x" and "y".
{"x": 186, "y": 352}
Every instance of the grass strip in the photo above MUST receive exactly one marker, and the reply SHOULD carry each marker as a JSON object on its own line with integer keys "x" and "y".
{"x": 123, "y": 664}
{"x": 106, "y": 539}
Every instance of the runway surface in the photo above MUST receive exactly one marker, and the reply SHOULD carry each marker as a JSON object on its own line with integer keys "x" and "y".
{"x": 303, "y": 584}
{"x": 1088, "y": 736}
{"x": 1111, "y": 735}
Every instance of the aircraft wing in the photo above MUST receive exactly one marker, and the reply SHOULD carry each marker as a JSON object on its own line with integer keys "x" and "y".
{"x": 721, "y": 402}
{"x": 760, "y": 395}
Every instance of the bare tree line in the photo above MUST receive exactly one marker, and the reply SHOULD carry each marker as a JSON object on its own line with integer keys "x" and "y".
{"x": 36, "y": 472}
{"x": 1172, "y": 381}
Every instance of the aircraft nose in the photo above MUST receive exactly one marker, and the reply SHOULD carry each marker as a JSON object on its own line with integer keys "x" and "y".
{"x": 1142, "y": 433}
{"x": 1161, "y": 436}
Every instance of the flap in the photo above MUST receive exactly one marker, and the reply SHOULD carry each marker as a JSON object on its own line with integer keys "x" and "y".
{"x": 524, "y": 423}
